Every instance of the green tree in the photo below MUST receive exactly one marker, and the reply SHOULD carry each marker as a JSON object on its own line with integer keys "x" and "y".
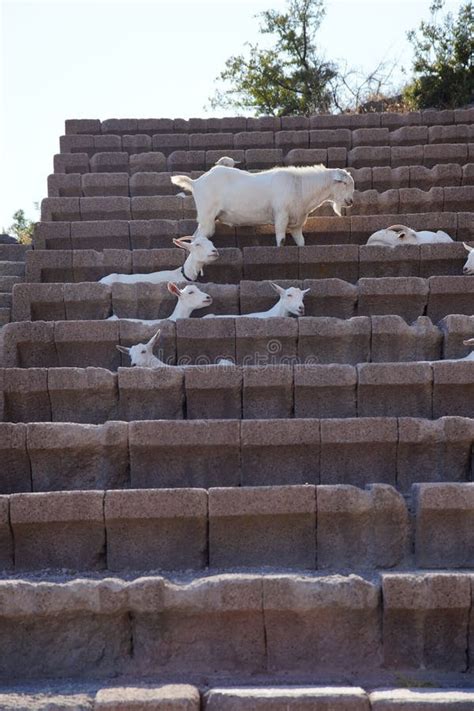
{"x": 22, "y": 228}
{"x": 288, "y": 78}
{"x": 443, "y": 64}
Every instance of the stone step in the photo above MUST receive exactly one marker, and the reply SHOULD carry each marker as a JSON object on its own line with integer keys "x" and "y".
{"x": 236, "y": 124}
{"x": 408, "y": 297}
{"x": 95, "y": 395}
{"x": 159, "y": 454}
{"x": 146, "y": 234}
{"x": 303, "y": 528}
{"x": 347, "y": 262}
{"x": 252, "y": 156}
{"x": 171, "y": 207}
{"x": 153, "y": 183}
{"x": 11, "y": 268}
{"x": 284, "y": 141}
{"x": 344, "y": 626}
{"x": 7, "y": 282}
{"x": 13, "y": 252}
{"x": 5, "y": 315}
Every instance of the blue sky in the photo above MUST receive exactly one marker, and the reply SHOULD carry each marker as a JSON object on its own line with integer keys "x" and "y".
{"x": 156, "y": 58}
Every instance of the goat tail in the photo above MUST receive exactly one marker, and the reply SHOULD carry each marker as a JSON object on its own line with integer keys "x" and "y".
{"x": 183, "y": 181}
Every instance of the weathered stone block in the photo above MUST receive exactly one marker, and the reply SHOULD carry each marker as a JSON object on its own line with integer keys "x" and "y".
{"x": 325, "y": 391}
{"x": 453, "y": 389}
{"x": 151, "y": 393}
{"x": 330, "y": 340}
{"x": 267, "y": 392}
{"x": 15, "y": 473}
{"x": 87, "y": 395}
{"x": 266, "y": 342}
{"x": 213, "y": 392}
{"x": 394, "y": 390}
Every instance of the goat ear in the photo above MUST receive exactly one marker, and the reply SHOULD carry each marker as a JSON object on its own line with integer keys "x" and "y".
{"x": 468, "y": 248}
{"x": 401, "y": 235}
{"x": 277, "y": 288}
{"x": 305, "y": 291}
{"x": 123, "y": 349}
{"x": 173, "y": 289}
{"x": 469, "y": 342}
{"x": 341, "y": 177}
{"x": 182, "y": 245}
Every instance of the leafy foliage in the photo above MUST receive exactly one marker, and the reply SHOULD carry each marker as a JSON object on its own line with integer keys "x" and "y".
{"x": 288, "y": 78}
{"x": 22, "y": 228}
{"x": 443, "y": 59}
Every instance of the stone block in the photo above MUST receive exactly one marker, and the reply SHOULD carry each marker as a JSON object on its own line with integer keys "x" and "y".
{"x": 406, "y": 156}
{"x": 49, "y": 235}
{"x": 322, "y": 391}
{"x": 361, "y": 528}
{"x": 329, "y": 262}
{"x": 453, "y": 389}
{"x": 467, "y": 174}
{"x": 464, "y": 116}
{"x": 326, "y": 340}
{"x": 288, "y": 139}
{"x": 228, "y": 269}
{"x": 6, "y": 540}
{"x": 337, "y": 157}
{"x": 67, "y": 456}
{"x": 109, "y": 162}
{"x": 157, "y": 207}
{"x": 456, "y": 328}
{"x": 169, "y": 697}
{"x": 434, "y": 153}
{"x": 394, "y": 390}
{"x": 263, "y": 526}
{"x": 434, "y": 451}
{"x": 60, "y": 209}
{"x": 433, "y": 117}
{"x": 148, "y": 183}
{"x": 465, "y": 226}
{"x": 325, "y": 138}
{"x": 394, "y": 340}
{"x": 15, "y": 473}
{"x": 151, "y": 393}
{"x": 47, "y": 265}
{"x": 156, "y": 529}
{"x": 25, "y": 395}
{"x": 442, "y": 259}
{"x": 439, "y": 175}
{"x": 444, "y": 525}
{"x": 105, "y": 208}
{"x": 385, "y": 178}
{"x": 104, "y": 184}
{"x": 457, "y": 133}
{"x": 139, "y": 143}
{"x": 100, "y": 235}
{"x": 119, "y": 126}
{"x": 87, "y": 126}
{"x": 87, "y": 343}
{"x": 61, "y": 529}
{"x": 377, "y": 261}
{"x": 368, "y": 156}
{"x": 457, "y": 199}
{"x": 317, "y": 624}
{"x": 330, "y": 121}
{"x": 363, "y": 178}
{"x": 213, "y": 392}
{"x": 186, "y": 160}
{"x": 222, "y": 141}
{"x": 153, "y": 162}
{"x": 177, "y": 454}
{"x": 142, "y": 300}
{"x": 107, "y": 143}
{"x": 280, "y": 452}
{"x": 425, "y": 621}
{"x": 267, "y": 392}
{"x": 38, "y": 302}
{"x": 71, "y": 163}
{"x": 269, "y": 263}
{"x": 205, "y": 341}
{"x": 306, "y": 156}
{"x": 254, "y": 139}
{"x": 85, "y": 395}
{"x": 152, "y": 234}
{"x": 213, "y": 155}
{"x": 328, "y": 230}
{"x": 330, "y": 297}
{"x": 371, "y": 202}
{"x": 408, "y": 136}
{"x": 413, "y": 200}
{"x": 87, "y": 301}
{"x": 262, "y": 158}
{"x": 294, "y": 123}
{"x": 266, "y": 342}
{"x": 370, "y": 137}
{"x": 28, "y": 345}
{"x": 450, "y": 295}
{"x": 288, "y": 698}
{"x": 403, "y": 296}
{"x": 414, "y": 699}
{"x": 64, "y": 185}
{"x": 76, "y": 144}
{"x": 359, "y": 451}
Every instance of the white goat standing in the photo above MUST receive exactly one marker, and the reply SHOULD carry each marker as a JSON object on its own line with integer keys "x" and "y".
{"x": 141, "y": 354}
{"x": 200, "y": 250}
{"x": 400, "y": 234}
{"x": 283, "y": 197}
{"x": 189, "y": 299}
{"x": 290, "y": 303}
{"x": 468, "y": 268}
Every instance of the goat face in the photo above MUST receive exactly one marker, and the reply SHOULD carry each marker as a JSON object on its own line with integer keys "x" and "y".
{"x": 191, "y": 296}
{"x": 141, "y": 354}
{"x": 200, "y": 247}
{"x": 292, "y": 299}
{"x": 342, "y": 196}
{"x": 468, "y": 268}
{"x": 392, "y": 236}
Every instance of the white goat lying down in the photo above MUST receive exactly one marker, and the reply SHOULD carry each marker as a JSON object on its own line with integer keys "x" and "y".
{"x": 399, "y": 234}
{"x": 283, "y": 197}
{"x": 468, "y": 268}
{"x": 189, "y": 299}
{"x": 226, "y": 160}
{"x": 290, "y": 303}
{"x": 200, "y": 250}
{"x": 141, "y": 355}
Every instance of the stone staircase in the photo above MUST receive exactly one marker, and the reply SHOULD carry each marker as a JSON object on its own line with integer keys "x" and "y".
{"x": 12, "y": 271}
{"x": 291, "y": 532}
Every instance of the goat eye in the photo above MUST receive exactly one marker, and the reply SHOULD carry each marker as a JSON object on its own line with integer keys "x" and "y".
{"x": 143, "y": 351}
